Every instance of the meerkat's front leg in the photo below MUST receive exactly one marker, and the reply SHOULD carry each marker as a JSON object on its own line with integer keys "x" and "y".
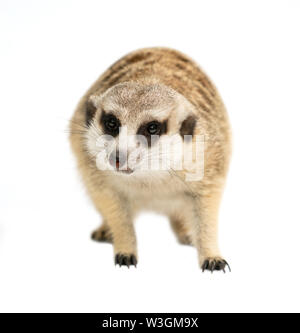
{"x": 206, "y": 231}
{"x": 118, "y": 224}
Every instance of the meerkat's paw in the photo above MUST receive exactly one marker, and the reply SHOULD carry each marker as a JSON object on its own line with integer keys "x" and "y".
{"x": 102, "y": 234}
{"x": 123, "y": 259}
{"x": 214, "y": 264}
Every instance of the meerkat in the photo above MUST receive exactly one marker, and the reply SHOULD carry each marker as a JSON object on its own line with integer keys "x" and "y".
{"x": 153, "y": 93}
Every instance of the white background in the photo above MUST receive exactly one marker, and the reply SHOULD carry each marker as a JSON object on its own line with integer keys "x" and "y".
{"x": 51, "y": 52}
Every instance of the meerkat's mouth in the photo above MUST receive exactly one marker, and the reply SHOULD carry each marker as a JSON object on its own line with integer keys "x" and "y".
{"x": 117, "y": 166}
{"x": 127, "y": 171}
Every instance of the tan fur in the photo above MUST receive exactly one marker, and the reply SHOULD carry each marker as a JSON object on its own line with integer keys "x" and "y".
{"x": 162, "y": 80}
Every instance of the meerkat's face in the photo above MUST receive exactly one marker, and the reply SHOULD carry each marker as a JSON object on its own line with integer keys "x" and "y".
{"x": 135, "y": 129}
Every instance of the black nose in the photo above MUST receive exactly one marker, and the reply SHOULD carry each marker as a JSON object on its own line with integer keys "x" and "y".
{"x": 117, "y": 159}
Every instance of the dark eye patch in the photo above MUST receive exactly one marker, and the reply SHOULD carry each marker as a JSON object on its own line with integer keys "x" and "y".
{"x": 188, "y": 126}
{"x": 110, "y": 124}
{"x": 152, "y": 128}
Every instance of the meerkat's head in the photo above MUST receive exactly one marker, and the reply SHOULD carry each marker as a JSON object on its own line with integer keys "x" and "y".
{"x": 130, "y": 126}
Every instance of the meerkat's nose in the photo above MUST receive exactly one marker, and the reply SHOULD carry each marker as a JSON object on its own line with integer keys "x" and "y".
{"x": 117, "y": 159}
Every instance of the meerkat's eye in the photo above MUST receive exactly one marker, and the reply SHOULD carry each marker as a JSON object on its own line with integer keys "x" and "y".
{"x": 153, "y": 128}
{"x": 110, "y": 124}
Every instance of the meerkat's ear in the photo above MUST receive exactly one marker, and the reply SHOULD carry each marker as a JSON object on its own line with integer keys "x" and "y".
{"x": 188, "y": 126}
{"x": 90, "y": 109}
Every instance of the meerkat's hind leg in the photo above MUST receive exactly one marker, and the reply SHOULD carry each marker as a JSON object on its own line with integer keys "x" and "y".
{"x": 181, "y": 231}
{"x": 102, "y": 234}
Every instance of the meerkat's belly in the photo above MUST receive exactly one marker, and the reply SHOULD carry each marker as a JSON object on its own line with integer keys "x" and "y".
{"x": 163, "y": 203}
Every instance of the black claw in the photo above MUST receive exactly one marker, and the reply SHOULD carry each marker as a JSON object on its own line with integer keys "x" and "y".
{"x": 215, "y": 265}
{"x": 226, "y": 263}
{"x": 120, "y": 260}
{"x": 125, "y": 260}
{"x": 205, "y": 265}
{"x": 212, "y": 265}
{"x": 133, "y": 260}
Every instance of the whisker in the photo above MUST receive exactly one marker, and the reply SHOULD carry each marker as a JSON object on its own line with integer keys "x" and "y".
{"x": 78, "y": 124}
{"x": 74, "y": 132}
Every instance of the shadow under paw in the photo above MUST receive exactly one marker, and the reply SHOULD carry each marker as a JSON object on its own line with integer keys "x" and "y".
{"x": 125, "y": 260}
{"x": 215, "y": 264}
